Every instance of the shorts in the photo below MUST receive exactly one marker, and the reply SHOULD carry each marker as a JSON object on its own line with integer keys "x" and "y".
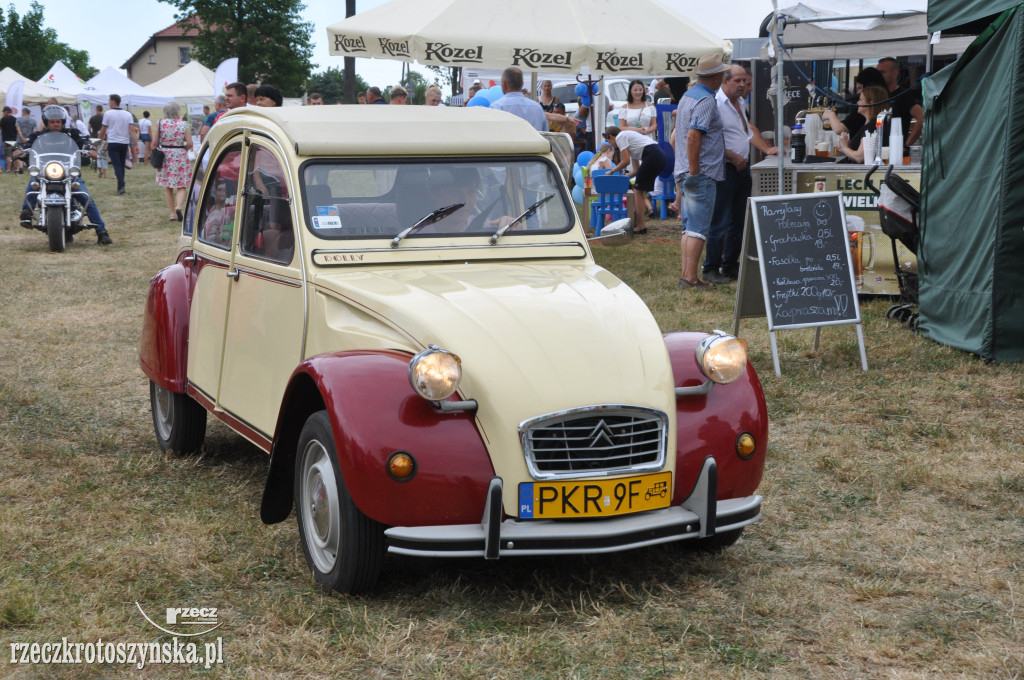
{"x": 145, "y": 138}
{"x": 698, "y": 204}
{"x": 652, "y": 162}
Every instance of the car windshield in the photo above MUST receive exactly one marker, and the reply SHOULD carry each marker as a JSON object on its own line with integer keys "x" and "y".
{"x": 382, "y": 200}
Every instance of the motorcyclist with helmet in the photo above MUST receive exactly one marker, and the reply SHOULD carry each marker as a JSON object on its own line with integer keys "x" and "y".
{"x": 54, "y": 119}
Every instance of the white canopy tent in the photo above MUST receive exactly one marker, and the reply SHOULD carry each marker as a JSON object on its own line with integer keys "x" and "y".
{"x": 872, "y": 28}
{"x": 608, "y": 37}
{"x": 63, "y": 78}
{"x": 34, "y": 93}
{"x": 190, "y": 84}
{"x": 110, "y": 81}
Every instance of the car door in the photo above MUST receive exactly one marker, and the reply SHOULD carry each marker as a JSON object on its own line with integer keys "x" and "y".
{"x": 213, "y": 216}
{"x": 263, "y": 340}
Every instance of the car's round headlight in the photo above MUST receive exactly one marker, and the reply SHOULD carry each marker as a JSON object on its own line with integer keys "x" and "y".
{"x": 54, "y": 170}
{"x": 722, "y": 357}
{"x": 435, "y": 373}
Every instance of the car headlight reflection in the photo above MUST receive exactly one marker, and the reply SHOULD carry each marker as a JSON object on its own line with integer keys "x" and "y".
{"x": 54, "y": 171}
{"x": 435, "y": 373}
{"x": 722, "y": 357}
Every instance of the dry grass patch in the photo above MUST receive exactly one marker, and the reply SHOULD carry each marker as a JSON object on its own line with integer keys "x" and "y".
{"x": 891, "y": 544}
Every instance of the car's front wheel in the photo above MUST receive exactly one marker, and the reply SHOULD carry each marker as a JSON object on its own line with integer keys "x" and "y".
{"x": 178, "y": 420}
{"x": 343, "y": 547}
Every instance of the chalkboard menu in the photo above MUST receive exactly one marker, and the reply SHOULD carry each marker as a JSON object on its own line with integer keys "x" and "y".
{"x": 804, "y": 256}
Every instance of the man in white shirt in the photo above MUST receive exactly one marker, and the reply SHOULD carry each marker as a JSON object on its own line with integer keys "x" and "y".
{"x": 725, "y": 240}
{"x": 516, "y": 103}
{"x": 117, "y": 130}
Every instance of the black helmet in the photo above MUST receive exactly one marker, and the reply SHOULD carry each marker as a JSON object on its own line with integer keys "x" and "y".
{"x": 54, "y": 112}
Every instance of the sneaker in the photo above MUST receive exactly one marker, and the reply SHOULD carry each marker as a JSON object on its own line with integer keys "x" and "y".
{"x": 103, "y": 238}
{"x": 121, "y": 191}
{"x": 731, "y": 274}
{"x": 26, "y": 218}
{"x": 715, "y": 277}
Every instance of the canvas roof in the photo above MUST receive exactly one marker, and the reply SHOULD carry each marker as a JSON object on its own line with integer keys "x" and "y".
{"x": 874, "y": 37}
{"x": 63, "y": 78}
{"x": 34, "y": 92}
{"x": 110, "y": 81}
{"x": 609, "y": 37}
{"x": 192, "y": 83}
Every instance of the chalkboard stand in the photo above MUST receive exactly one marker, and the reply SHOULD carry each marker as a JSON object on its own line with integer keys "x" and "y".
{"x": 804, "y": 271}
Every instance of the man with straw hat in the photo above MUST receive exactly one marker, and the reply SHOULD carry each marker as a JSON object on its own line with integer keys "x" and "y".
{"x": 699, "y": 163}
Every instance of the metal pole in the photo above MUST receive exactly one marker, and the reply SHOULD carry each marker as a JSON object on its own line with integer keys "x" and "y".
{"x": 780, "y": 98}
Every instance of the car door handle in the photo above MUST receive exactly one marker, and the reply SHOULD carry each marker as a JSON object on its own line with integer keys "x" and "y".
{"x": 233, "y": 274}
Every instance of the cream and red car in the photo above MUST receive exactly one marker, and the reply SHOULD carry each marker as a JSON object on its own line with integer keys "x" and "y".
{"x": 400, "y": 306}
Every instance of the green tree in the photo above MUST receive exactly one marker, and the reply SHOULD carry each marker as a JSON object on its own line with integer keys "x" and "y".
{"x": 447, "y": 76}
{"x": 331, "y": 84}
{"x": 271, "y": 44}
{"x": 28, "y": 47}
{"x": 416, "y": 84}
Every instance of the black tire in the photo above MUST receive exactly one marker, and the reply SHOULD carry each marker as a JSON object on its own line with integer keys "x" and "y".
{"x": 718, "y": 542}
{"x": 55, "y": 228}
{"x": 343, "y": 547}
{"x": 892, "y": 310}
{"x": 178, "y": 420}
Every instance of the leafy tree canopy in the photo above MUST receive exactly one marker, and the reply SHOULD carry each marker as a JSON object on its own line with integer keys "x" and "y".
{"x": 29, "y": 48}
{"x": 331, "y": 84}
{"x": 271, "y": 44}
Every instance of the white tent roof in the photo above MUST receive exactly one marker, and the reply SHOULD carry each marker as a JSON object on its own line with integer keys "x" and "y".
{"x": 610, "y": 37}
{"x": 62, "y": 78}
{"x": 192, "y": 83}
{"x": 34, "y": 92}
{"x": 110, "y": 81}
{"x": 876, "y": 35}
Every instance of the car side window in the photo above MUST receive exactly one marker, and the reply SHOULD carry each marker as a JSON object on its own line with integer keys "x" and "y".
{"x": 216, "y": 215}
{"x": 189, "y": 222}
{"x": 267, "y": 226}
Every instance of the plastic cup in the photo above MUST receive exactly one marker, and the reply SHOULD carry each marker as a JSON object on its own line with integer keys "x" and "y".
{"x": 915, "y": 155}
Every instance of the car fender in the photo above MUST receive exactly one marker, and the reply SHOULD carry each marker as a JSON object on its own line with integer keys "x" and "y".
{"x": 163, "y": 353}
{"x": 374, "y": 412}
{"x": 709, "y": 424}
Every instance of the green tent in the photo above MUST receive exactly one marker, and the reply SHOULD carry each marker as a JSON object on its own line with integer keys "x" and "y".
{"x": 971, "y": 257}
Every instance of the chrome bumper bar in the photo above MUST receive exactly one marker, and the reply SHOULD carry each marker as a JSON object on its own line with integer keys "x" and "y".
{"x": 699, "y": 516}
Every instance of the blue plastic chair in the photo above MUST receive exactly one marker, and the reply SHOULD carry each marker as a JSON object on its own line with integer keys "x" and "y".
{"x": 611, "y": 193}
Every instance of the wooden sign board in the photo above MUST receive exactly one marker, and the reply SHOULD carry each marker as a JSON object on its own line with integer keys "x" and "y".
{"x": 800, "y": 246}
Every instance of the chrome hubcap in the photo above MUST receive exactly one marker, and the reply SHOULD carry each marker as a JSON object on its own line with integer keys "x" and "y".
{"x": 321, "y": 516}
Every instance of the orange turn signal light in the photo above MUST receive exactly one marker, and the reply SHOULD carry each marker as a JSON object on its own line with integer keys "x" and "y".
{"x": 745, "y": 445}
{"x": 401, "y": 466}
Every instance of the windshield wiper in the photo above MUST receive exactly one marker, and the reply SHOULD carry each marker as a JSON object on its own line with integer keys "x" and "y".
{"x": 428, "y": 219}
{"x": 526, "y": 213}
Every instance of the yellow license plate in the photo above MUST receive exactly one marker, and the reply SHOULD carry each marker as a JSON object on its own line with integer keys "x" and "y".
{"x": 594, "y": 497}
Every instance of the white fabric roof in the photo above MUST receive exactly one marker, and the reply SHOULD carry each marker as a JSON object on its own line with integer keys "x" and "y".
{"x": 110, "y": 81}
{"x": 34, "y": 93}
{"x": 861, "y": 38}
{"x": 610, "y": 37}
{"x": 192, "y": 83}
{"x": 62, "y": 78}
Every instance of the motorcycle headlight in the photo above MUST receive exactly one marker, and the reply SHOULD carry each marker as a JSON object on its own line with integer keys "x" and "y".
{"x": 33, "y": 171}
{"x": 54, "y": 171}
{"x": 722, "y": 357}
{"x": 435, "y": 373}
{"x": 75, "y": 172}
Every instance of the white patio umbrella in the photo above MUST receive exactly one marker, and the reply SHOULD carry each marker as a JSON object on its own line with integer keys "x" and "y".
{"x": 609, "y": 37}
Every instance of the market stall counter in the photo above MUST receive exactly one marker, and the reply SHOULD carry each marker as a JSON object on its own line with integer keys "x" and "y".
{"x": 874, "y": 269}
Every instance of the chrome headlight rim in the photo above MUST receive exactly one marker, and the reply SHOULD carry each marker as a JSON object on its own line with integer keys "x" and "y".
{"x": 33, "y": 171}
{"x": 54, "y": 170}
{"x": 435, "y": 373}
{"x": 75, "y": 172}
{"x": 722, "y": 357}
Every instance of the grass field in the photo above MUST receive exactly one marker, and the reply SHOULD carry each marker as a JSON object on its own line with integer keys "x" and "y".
{"x": 892, "y": 544}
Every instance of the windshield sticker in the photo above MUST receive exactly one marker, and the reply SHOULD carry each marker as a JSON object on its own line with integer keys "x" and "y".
{"x": 327, "y": 222}
{"x": 326, "y": 210}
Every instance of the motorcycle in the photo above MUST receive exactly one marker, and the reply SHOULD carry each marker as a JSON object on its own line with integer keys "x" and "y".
{"x": 55, "y": 166}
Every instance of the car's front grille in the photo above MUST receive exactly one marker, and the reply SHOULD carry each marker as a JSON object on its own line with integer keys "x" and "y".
{"x": 596, "y": 440}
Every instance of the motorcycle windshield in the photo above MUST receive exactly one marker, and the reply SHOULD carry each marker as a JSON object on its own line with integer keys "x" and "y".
{"x": 54, "y": 143}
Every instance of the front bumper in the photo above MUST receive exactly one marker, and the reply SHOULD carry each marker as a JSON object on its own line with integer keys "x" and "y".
{"x": 699, "y": 516}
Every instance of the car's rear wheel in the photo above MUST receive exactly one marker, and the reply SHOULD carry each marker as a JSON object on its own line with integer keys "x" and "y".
{"x": 178, "y": 420}
{"x": 55, "y": 228}
{"x": 343, "y": 547}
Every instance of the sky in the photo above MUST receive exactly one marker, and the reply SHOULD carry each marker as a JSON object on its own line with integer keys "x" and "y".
{"x": 86, "y": 27}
